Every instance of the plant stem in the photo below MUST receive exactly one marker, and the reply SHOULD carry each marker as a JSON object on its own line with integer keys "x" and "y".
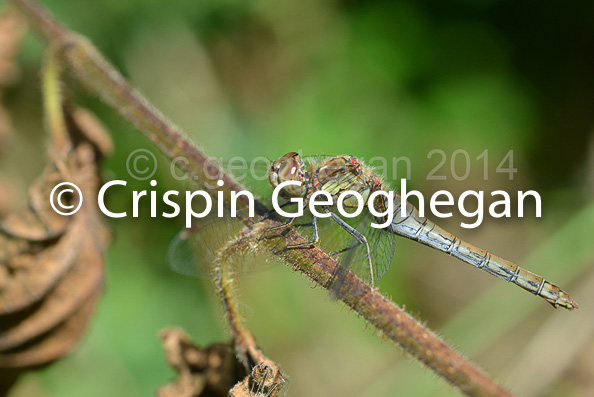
{"x": 52, "y": 101}
{"x": 245, "y": 344}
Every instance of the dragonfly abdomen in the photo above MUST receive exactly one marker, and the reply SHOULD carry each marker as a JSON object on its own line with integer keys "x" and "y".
{"x": 421, "y": 229}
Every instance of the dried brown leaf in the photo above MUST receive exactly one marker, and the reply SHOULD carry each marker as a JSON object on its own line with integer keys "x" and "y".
{"x": 209, "y": 371}
{"x": 37, "y": 245}
{"x": 66, "y": 298}
{"x": 53, "y": 345}
{"x": 51, "y": 266}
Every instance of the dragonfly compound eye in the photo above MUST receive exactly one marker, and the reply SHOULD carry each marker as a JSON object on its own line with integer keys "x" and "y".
{"x": 288, "y": 168}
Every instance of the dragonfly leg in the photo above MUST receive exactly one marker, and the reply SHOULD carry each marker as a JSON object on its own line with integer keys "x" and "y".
{"x": 360, "y": 238}
{"x": 315, "y": 239}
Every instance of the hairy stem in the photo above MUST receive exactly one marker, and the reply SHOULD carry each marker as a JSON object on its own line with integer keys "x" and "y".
{"x": 52, "y": 104}
{"x": 87, "y": 65}
{"x": 245, "y": 344}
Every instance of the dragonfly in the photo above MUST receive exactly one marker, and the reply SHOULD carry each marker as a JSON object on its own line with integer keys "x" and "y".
{"x": 362, "y": 249}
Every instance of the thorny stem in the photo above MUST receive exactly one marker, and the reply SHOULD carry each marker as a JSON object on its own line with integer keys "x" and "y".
{"x": 87, "y": 64}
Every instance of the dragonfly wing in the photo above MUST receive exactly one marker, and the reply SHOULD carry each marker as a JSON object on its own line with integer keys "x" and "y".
{"x": 382, "y": 246}
{"x": 193, "y": 251}
{"x": 182, "y": 260}
{"x": 196, "y": 251}
{"x": 337, "y": 241}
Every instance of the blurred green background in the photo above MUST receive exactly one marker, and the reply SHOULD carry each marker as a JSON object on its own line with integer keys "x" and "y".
{"x": 374, "y": 78}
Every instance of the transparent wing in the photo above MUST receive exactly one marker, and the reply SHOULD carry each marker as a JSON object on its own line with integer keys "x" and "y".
{"x": 382, "y": 245}
{"x": 194, "y": 252}
{"x": 336, "y": 241}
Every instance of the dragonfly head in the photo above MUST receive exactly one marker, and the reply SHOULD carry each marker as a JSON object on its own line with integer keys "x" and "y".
{"x": 290, "y": 167}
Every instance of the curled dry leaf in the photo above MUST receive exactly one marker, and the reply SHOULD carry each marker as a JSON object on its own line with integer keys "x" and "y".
{"x": 51, "y": 266}
{"x": 215, "y": 370}
{"x": 209, "y": 371}
{"x": 54, "y": 344}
